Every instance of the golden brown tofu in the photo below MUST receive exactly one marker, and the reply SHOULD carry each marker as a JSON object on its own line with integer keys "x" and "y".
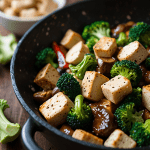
{"x": 133, "y": 52}
{"x": 66, "y": 129}
{"x": 118, "y": 139}
{"x": 146, "y": 96}
{"x": 47, "y": 77}
{"x": 55, "y": 110}
{"x": 70, "y": 39}
{"x": 91, "y": 85}
{"x": 76, "y": 53}
{"x": 105, "y": 47}
{"x": 117, "y": 88}
{"x": 88, "y": 137}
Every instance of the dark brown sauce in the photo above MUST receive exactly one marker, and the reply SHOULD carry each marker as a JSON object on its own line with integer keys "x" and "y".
{"x": 104, "y": 121}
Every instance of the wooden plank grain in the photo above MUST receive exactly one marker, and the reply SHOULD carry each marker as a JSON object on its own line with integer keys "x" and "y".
{"x": 16, "y": 113}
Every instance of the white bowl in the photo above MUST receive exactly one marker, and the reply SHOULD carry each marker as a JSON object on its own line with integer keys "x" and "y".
{"x": 18, "y": 25}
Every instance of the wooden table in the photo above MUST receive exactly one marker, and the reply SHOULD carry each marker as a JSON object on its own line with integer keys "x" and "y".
{"x": 16, "y": 113}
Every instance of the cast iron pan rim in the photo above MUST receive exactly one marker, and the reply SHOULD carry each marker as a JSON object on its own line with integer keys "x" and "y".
{"x": 27, "y": 108}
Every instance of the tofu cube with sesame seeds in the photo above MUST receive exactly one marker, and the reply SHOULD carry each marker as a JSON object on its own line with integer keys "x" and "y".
{"x": 76, "y": 53}
{"x": 47, "y": 77}
{"x": 86, "y": 136}
{"x": 105, "y": 47}
{"x": 117, "y": 88}
{"x": 146, "y": 96}
{"x": 133, "y": 52}
{"x": 70, "y": 39}
{"x": 118, "y": 139}
{"x": 55, "y": 109}
{"x": 91, "y": 85}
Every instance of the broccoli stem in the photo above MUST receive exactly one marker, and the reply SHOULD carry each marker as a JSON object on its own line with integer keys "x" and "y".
{"x": 78, "y": 104}
{"x": 2, "y": 116}
{"x": 78, "y": 107}
{"x": 83, "y": 67}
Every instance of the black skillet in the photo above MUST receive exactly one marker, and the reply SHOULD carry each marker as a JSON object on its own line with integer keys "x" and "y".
{"x": 41, "y": 35}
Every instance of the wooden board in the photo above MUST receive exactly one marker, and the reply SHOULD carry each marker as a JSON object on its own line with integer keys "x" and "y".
{"x": 16, "y": 113}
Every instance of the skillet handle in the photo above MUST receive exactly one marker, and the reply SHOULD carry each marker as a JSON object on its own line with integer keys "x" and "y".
{"x": 27, "y": 135}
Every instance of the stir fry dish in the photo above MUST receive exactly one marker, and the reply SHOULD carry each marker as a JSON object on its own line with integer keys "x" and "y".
{"x": 95, "y": 86}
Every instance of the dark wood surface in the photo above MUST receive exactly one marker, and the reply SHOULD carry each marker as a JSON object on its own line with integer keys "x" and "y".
{"x": 16, "y": 113}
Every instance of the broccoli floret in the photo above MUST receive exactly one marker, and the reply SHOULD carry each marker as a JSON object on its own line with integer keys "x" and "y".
{"x": 8, "y": 131}
{"x": 80, "y": 117}
{"x": 69, "y": 85}
{"x": 97, "y": 29}
{"x": 46, "y": 56}
{"x": 91, "y": 42}
{"x": 122, "y": 40}
{"x": 141, "y": 33}
{"x": 88, "y": 63}
{"x": 127, "y": 69}
{"x": 135, "y": 97}
{"x": 126, "y": 116}
{"x": 140, "y": 132}
{"x": 147, "y": 63}
{"x": 7, "y": 47}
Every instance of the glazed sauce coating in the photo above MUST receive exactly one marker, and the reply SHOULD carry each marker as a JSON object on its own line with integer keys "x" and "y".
{"x": 104, "y": 121}
{"x": 147, "y": 77}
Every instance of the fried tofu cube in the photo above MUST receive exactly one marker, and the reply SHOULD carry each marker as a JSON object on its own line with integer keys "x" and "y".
{"x": 55, "y": 110}
{"x": 133, "y": 52}
{"x": 76, "y": 53}
{"x": 17, "y": 6}
{"x": 28, "y": 13}
{"x": 146, "y": 96}
{"x": 9, "y": 11}
{"x": 3, "y": 5}
{"x": 70, "y": 39}
{"x": 66, "y": 129}
{"x": 86, "y": 136}
{"x": 46, "y": 6}
{"x": 47, "y": 77}
{"x": 105, "y": 47}
{"x": 117, "y": 88}
{"x": 118, "y": 139}
{"x": 91, "y": 85}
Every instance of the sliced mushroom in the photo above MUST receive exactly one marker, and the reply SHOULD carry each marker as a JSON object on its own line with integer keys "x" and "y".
{"x": 55, "y": 91}
{"x": 147, "y": 77}
{"x": 105, "y": 65}
{"x": 42, "y": 96}
{"x": 146, "y": 114}
{"x": 104, "y": 121}
{"x": 119, "y": 28}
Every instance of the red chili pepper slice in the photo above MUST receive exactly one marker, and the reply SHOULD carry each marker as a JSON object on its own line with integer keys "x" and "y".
{"x": 60, "y": 56}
